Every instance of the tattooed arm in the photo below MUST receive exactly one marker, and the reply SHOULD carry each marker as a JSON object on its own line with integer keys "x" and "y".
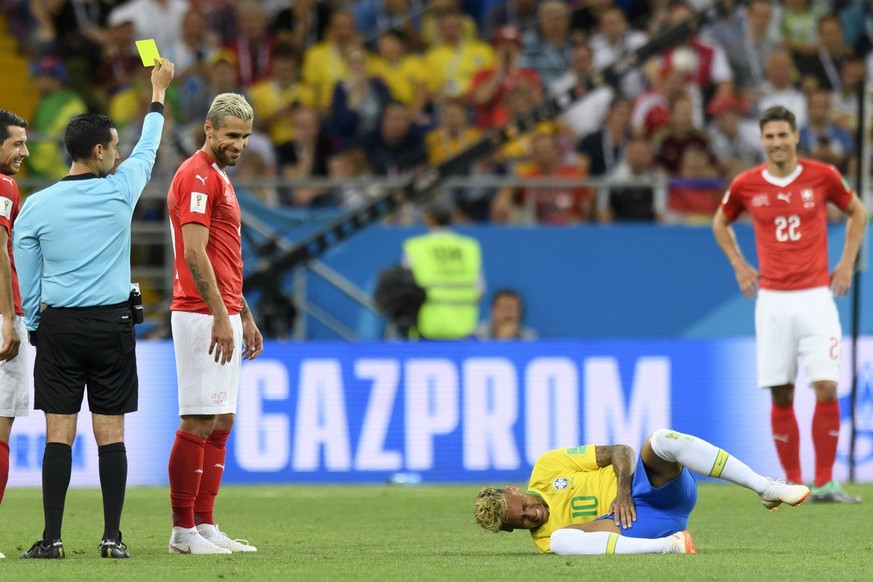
{"x": 621, "y": 457}
{"x": 194, "y": 239}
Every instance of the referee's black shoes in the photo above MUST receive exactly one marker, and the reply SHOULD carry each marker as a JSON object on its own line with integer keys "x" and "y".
{"x": 53, "y": 551}
{"x": 113, "y": 548}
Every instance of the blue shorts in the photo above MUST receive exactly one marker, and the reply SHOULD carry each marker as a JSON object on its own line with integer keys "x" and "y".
{"x": 663, "y": 510}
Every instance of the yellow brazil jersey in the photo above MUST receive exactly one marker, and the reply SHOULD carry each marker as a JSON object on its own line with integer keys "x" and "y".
{"x": 450, "y": 69}
{"x": 429, "y": 26}
{"x": 402, "y": 77}
{"x": 573, "y": 486}
{"x": 519, "y": 146}
{"x": 441, "y": 146}
{"x": 267, "y": 98}
{"x": 323, "y": 66}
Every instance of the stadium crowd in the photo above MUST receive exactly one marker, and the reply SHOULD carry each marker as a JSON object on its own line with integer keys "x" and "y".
{"x": 358, "y": 88}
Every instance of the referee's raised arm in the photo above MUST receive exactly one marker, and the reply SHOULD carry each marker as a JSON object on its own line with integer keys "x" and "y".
{"x": 162, "y": 74}
{"x": 135, "y": 172}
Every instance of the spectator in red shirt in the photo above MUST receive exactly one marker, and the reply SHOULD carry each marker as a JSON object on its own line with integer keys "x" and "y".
{"x": 708, "y": 66}
{"x": 253, "y": 46}
{"x": 651, "y": 110}
{"x": 680, "y": 134}
{"x": 489, "y": 86}
{"x": 549, "y": 205}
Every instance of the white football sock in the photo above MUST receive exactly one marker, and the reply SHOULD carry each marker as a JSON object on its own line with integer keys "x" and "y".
{"x": 705, "y": 458}
{"x": 575, "y": 542}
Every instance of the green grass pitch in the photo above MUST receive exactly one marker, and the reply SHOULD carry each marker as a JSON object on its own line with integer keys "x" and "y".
{"x": 427, "y": 532}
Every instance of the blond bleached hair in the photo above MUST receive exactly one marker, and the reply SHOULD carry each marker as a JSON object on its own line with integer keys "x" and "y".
{"x": 229, "y": 105}
{"x": 490, "y": 509}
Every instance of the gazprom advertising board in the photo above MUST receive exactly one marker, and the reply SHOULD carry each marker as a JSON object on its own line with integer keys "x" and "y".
{"x": 460, "y": 412}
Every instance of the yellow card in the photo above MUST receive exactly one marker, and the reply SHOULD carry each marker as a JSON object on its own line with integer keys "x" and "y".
{"x": 148, "y": 52}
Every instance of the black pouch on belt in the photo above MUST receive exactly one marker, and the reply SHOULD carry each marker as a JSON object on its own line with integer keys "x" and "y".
{"x": 135, "y": 301}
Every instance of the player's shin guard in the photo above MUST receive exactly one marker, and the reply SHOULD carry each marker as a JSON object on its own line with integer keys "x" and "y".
{"x": 186, "y": 471}
{"x": 705, "y": 459}
{"x": 57, "y": 467}
{"x": 575, "y": 542}
{"x": 786, "y": 437}
{"x": 4, "y": 467}
{"x": 825, "y": 436}
{"x": 113, "y": 481}
{"x": 214, "y": 455}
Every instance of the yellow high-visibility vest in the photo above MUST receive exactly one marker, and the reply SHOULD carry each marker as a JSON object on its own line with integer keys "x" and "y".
{"x": 448, "y": 266}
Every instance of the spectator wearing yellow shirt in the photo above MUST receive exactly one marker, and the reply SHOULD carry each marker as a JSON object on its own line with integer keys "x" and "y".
{"x": 452, "y": 63}
{"x": 324, "y": 64}
{"x": 57, "y": 104}
{"x": 521, "y": 100}
{"x": 453, "y": 134}
{"x": 403, "y": 72}
{"x": 274, "y": 99}
{"x": 435, "y": 8}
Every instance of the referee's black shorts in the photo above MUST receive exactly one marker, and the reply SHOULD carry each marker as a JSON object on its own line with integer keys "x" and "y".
{"x": 79, "y": 346}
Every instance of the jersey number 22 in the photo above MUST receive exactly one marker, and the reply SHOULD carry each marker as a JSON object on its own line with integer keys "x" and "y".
{"x": 787, "y": 228}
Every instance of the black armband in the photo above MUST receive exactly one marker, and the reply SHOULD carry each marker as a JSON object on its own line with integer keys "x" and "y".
{"x": 156, "y": 107}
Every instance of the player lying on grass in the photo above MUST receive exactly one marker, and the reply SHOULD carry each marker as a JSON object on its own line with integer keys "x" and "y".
{"x": 596, "y": 500}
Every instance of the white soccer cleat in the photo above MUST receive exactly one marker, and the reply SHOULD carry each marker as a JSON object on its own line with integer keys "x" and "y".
{"x": 189, "y": 541}
{"x": 2, "y": 556}
{"x": 779, "y": 492}
{"x": 679, "y": 543}
{"x": 214, "y": 535}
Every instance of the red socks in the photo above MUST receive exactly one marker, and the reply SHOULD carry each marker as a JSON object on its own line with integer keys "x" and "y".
{"x": 213, "y": 470}
{"x": 4, "y": 467}
{"x": 186, "y": 471}
{"x": 825, "y": 434}
{"x": 786, "y": 436}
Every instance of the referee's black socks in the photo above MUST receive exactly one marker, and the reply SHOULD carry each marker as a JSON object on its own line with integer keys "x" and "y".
{"x": 113, "y": 481}
{"x": 57, "y": 464}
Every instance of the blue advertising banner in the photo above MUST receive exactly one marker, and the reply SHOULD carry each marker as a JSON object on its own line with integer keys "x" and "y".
{"x": 459, "y": 412}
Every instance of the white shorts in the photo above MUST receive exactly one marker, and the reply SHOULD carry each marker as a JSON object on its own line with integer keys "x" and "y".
{"x": 205, "y": 387}
{"x": 802, "y": 323}
{"x": 15, "y": 377}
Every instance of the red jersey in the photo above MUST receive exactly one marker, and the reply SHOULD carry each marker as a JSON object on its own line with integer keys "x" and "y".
{"x": 554, "y": 205}
{"x": 495, "y": 113}
{"x": 10, "y": 204}
{"x": 202, "y": 193}
{"x": 790, "y": 221}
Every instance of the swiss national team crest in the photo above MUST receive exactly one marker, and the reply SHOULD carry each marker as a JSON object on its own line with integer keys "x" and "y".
{"x": 808, "y": 197}
{"x": 760, "y": 200}
{"x": 561, "y": 483}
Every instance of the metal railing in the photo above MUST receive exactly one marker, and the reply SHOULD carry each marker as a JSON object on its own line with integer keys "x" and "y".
{"x": 152, "y": 250}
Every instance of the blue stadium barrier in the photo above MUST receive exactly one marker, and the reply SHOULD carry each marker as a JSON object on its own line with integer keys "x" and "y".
{"x": 617, "y": 281}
